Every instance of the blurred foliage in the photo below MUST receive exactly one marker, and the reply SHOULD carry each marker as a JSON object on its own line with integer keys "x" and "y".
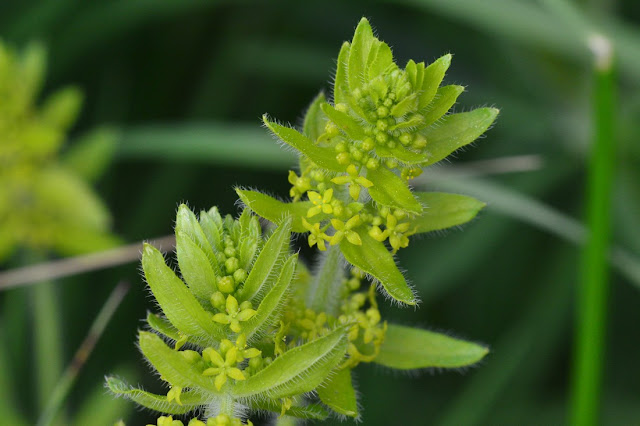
{"x": 186, "y": 83}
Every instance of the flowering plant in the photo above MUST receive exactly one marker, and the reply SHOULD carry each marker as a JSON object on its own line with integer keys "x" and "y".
{"x": 248, "y": 328}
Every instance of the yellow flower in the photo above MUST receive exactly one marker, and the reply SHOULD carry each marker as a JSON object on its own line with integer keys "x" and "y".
{"x": 345, "y": 230}
{"x": 354, "y": 180}
{"x": 235, "y": 314}
{"x": 321, "y": 203}
{"x": 317, "y": 235}
{"x": 223, "y": 367}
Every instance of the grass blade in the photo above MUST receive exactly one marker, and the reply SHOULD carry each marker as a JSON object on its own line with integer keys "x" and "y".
{"x": 208, "y": 143}
{"x": 593, "y": 292}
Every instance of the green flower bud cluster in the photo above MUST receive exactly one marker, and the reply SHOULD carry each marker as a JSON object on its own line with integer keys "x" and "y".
{"x": 45, "y": 201}
{"x": 247, "y": 328}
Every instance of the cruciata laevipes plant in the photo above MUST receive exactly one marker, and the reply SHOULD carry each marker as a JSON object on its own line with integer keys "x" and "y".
{"x": 249, "y": 328}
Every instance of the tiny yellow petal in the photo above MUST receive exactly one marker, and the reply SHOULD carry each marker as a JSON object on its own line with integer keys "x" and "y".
{"x": 221, "y": 379}
{"x": 221, "y": 318}
{"x": 235, "y": 373}
{"x": 246, "y": 314}
{"x": 232, "y": 305}
{"x": 354, "y": 238}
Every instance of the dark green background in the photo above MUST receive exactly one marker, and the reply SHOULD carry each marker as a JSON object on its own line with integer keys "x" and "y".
{"x": 202, "y": 70}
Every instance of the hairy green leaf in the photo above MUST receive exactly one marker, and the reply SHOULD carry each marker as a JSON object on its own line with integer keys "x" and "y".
{"x": 190, "y": 399}
{"x": 380, "y": 59}
{"x": 443, "y": 210}
{"x": 266, "y": 314}
{"x": 187, "y": 223}
{"x": 444, "y": 100}
{"x": 310, "y": 411}
{"x": 176, "y": 301}
{"x": 408, "y": 348}
{"x": 195, "y": 267}
{"x": 344, "y": 121}
{"x": 269, "y": 262}
{"x": 162, "y": 326}
{"x": 172, "y": 366}
{"x": 299, "y": 370}
{"x": 314, "y": 119}
{"x": 363, "y": 39}
{"x": 323, "y": 157}
{"x": 211, "y": 224}
{"x": 401, "y": 153}
{"x": 274, "y": 210}
{"x": 323, "y": 293}
{"x": 455, "y": 131}
{"x": 338, "y": 393}
{"x": 373, "y": 258}
{"x": 390, "y": 190}
{"x": 341, "y": 83}
{"x": 433, "y": 76}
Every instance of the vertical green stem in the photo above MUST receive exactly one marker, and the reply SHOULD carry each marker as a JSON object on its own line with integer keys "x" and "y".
{"x": 592, "y": 294}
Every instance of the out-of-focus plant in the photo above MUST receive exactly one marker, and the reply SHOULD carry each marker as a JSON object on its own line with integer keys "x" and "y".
{"x": 45, "y": 201}
{"x": 46, "y": 206}
{"x": 248, "y": 328}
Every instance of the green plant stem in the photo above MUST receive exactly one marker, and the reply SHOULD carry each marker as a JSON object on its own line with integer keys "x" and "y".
{"x": 592, "y": 294}
{"x": 57, "y": 396}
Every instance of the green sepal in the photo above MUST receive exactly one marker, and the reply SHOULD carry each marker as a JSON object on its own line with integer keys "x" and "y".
{"x": 373, "y": 258}
{"x": 267, "y": 313}
{"x": 455, "y": 131}
{"x": 275, "y": 210}
{"x": 341, "y": 83}
{"x": 195, "y": 268}
{"x": 407, "y": 348}
{"x": 338, "y": 393}
{"x": 380, "y": 59}
{"x": 190, "y": 399}
{"x": 163, "y": 326}
{"x": 361, "y": 44}
{"x": 177, "y": 302}
{"x": 309, "y": 411}
{"x": 297, "y": 371}
{"x": 172, "y": 366}
{"x": 390, "y": 190}
{"x": 61, "y": 109}
{"x": 268, "y": 264}
{"x": 323, "y": 157}
{"x": 187, "y": 223}
{"x": 314, "y": 119}
{"x": 443, "y": 210}
{"x": 345, "y": 122}
{"x": 90, "y": 156}
{"x": 433, "y": 76}
{"x": 445, "y": 99}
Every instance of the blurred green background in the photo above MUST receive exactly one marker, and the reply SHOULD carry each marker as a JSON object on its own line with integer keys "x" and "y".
{"x": 185, "y": 83}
